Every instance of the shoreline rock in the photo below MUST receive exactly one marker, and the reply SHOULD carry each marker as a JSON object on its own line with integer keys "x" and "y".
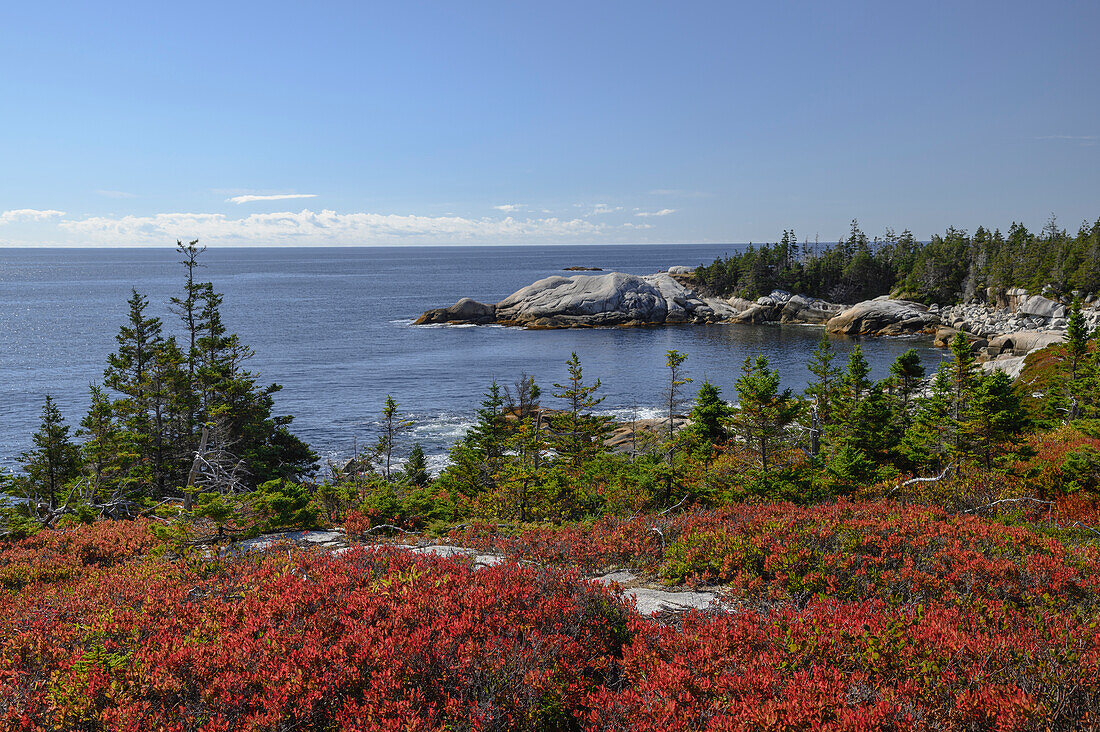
{"x": 883, "y": 316}
{"x": 1013, "y": 324}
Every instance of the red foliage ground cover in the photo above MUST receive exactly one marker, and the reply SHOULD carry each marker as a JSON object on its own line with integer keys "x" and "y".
{"x": 856, "y": 616}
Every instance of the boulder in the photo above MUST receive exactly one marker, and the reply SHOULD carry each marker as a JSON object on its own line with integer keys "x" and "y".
{"x": 740, "y": 304}
{"x": 1038, "y": 306}
{"x": 802, "y": 309}
{"x": 757, "y": 314}
{"x": 608, "y": 299}
{"x": 944, "y": 334}
{"x": 681, "y": 270}
{"x": 1011, "y": 365}
{"x": 605, "y": 300}
{"x": 1023, "y": 342}
{"x": 463, "y": 311}
{"x": 883, "y": 316}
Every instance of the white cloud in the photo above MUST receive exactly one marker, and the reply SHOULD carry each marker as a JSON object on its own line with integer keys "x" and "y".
{"x": 308, "y": 227}
{"x": 250, "y": 198}
{"x": 28, "y": 214}
{"x": 509, "y": 207}
{"x": 662, "y": 212}
{"x": 1081, "y": 140}
{"x": 601, "y": 209}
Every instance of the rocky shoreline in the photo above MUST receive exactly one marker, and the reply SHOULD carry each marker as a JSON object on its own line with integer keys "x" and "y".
{"x": 1013, "y": 324}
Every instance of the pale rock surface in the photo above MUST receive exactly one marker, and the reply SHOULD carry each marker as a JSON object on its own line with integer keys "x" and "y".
{"x": 465, "y": 310}
{"x": 1023, "y": 342}
{"x": 1038, "y": 306}
{"x": 883, "y": 316}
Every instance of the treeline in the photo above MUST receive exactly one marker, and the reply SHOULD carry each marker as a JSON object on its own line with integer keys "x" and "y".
{"x": 952, "y": 267}
{"x": 174, "y": 416}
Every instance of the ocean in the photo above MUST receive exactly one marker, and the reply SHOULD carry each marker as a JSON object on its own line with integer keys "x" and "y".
{"x": 333, "y": 326}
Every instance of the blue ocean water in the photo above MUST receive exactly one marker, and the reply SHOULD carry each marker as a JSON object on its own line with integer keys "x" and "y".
{"x": 334, "y": 327}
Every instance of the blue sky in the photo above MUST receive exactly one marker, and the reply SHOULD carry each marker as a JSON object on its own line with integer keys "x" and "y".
{"x": 537, "y": 123}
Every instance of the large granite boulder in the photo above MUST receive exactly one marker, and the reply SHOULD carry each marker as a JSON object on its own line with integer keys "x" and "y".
{"x": 802, "y": 309}
{"x": 740, "y": 304}
{"x": 463, "y": 311}
{"x": 603, "y": 300}
{"x": 610, "y": 299}
{"x": 883, "y": 316}
{"x": 1023, "y": 342}
{"x": 1038, "y": 306}
{"x": 758, "y": 313}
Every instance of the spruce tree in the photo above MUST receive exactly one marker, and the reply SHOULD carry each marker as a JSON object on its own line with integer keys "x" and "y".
{"x": 906, "y": 377}
{"x": 103, "y": 451}
{"x": 823, "y": 392}
{"x": 392, "y": 426}
{"x": 128, "y": 373}
{"x": 764, "y": 411}
{"x": 53, "y": 463}
{"x": 995, "y": 421}
{"x": 674, "y": 361}
{"x": 1077, "y": 351}
{"x": 929, "y": 441}
{"x": 416, "y": 467}
{"x": 964, "y": 376}
{"x": 710, "y": 415}
{"x": 580, "y": 434}
{"x": 855, "y": 381}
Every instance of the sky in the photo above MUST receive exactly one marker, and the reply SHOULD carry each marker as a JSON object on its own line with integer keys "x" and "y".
{"x": 478, "y": 122}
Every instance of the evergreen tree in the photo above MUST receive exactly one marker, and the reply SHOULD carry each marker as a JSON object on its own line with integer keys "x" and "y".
{"x": 393, "y": 425}
{"x": 188, "y": 309}
{"x": 128, "y": 373}
{"x": 929, "y": 442}
{"x": 53, "y": 463}
{"x": 524, "y": 401}
{"x": 995, "y": 420}
{"x": 416, "y": 467}
{"x": 478, "y": 458}
{"x": 906, "y": 375}
{"x": 104, "y": 453}
{"x": 1077, "y": 349}
{"x": 964, "y": 376}
{"x": 674, "y": 361}
{"x": 525, "y": 475}
{"x": 823, "y": 392}
{"x": 710, "y": 415}
{"x": 855, "y": 383}
{"x": 489, "y": 434}
{"x": 138, "y": 340}
{"x": 764, "y": 412}
{"x": 580, "y": 435}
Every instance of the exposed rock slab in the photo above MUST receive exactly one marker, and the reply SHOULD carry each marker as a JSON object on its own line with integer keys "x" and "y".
{"x": 1011, "y": 365}
{"x": 883, "y": 316}
{"x": 609, "y": 299}
{"x": 650, "y": 600}
{"x": 1024, "y": 342}
{"x": 463, "y": 311}
{"x": 1040, "y": 307}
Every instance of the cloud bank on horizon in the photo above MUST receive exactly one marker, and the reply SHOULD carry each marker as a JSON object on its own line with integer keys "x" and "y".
{"x": 302, "y": 228}
{"x": 252, "y": 198}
